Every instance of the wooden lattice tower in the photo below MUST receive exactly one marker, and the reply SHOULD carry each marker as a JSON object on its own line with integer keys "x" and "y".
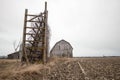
{"x": 35, "y": 37}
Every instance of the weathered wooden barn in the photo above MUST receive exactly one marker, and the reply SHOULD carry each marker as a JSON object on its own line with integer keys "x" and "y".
{"x": 62, "y": 49}
{"x": 15, "y": 55}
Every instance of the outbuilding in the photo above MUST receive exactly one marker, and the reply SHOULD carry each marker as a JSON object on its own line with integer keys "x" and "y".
{"x": 15, "y": 55}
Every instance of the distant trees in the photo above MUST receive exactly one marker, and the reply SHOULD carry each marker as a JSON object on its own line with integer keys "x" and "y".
{"x": 3, "y": 57}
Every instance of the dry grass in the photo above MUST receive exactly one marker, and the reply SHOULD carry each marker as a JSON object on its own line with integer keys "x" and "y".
{"x": 60, "y": 67}
{"x": 10, "y": 69}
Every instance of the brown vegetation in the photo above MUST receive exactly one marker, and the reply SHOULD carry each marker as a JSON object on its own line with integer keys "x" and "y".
{"x": 62, "y": 69}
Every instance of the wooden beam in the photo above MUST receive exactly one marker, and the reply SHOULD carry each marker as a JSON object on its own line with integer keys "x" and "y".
{"x": 45, "y": 45}
{"x": 30, "y": 34}
{"x": 24, "y": 37}
{"x": 33, "y": 15}
{"x": 33, "y": 18}
{"x": 34, "y": 28}
{"x": 39, "y": 48}
{"x": 32, "y": 21}
{"x": 32, "y": 41}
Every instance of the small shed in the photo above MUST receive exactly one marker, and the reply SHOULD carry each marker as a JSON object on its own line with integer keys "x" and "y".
{"x": 15, "y": 55}
{"x": 62, "y": 49}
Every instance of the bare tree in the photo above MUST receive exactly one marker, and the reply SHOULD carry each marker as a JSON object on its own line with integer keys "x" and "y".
{"x": 16, "y": 45}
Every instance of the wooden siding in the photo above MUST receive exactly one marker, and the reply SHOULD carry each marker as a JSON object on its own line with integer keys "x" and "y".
{"x": 14, "y": 55}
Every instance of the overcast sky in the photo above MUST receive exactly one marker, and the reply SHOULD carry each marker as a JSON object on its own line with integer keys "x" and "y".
{"x": 91, "y": 26}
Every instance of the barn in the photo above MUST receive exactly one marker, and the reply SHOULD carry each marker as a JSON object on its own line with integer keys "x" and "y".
{"x": 15, "y": 55}
{"x": 62, "y": 49}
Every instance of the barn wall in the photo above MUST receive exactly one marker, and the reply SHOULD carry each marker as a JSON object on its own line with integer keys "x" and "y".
{"x": 14, "y": 55}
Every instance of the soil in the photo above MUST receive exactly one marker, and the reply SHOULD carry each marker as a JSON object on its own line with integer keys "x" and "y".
{"x": 107, "y": 68}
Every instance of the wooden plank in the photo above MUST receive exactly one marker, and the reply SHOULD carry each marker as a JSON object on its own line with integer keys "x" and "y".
{"x": 33, "y": 41}
{"x": 35, "y": 27}
{"x": 39, "y": 48}
{"x": 24, "y": 37}
{"x": 45, "y": 45}
{"x": 83, "y": 71}
{"x": 34, "y": 30}
{"x": 33, "y": 15}
{"x": 34, "y": 34}
{"x": 34, "y": 21}
{"x": 30, "y": 34}
{"x": 33, "y": 18}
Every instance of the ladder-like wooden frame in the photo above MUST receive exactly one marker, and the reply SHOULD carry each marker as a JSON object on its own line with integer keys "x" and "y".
{"x": 34, "y": 45}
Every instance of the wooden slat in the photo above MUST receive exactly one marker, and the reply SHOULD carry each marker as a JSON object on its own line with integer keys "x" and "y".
{"x": 45, "y": 45}
{"x": 32, "y": 41}
{"x": 33, "y": 18}
{"x": 34, "y": 21}
{"x": 33, "y": 15}
{"x": 34, "y": 34}
{"x": 30, "y": 34}
{"x": 34, "y": 30}
{"x": 24, "y": 37}
{"x": 37, "y": 48}
{"x": 35, "y": 27}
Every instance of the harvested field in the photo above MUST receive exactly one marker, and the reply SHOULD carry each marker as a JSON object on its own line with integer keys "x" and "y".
{"x": 102, "y": 68}
{"x": 63, "y": 69}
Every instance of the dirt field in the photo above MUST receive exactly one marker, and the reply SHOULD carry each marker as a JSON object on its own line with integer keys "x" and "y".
{"x": 107, "y": 68}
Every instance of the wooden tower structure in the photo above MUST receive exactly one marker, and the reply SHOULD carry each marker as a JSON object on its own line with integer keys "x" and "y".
{"x": 35, "y": 37}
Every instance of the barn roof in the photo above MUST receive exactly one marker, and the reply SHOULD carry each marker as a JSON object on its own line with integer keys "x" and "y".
{"x": 17, "y": 52}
